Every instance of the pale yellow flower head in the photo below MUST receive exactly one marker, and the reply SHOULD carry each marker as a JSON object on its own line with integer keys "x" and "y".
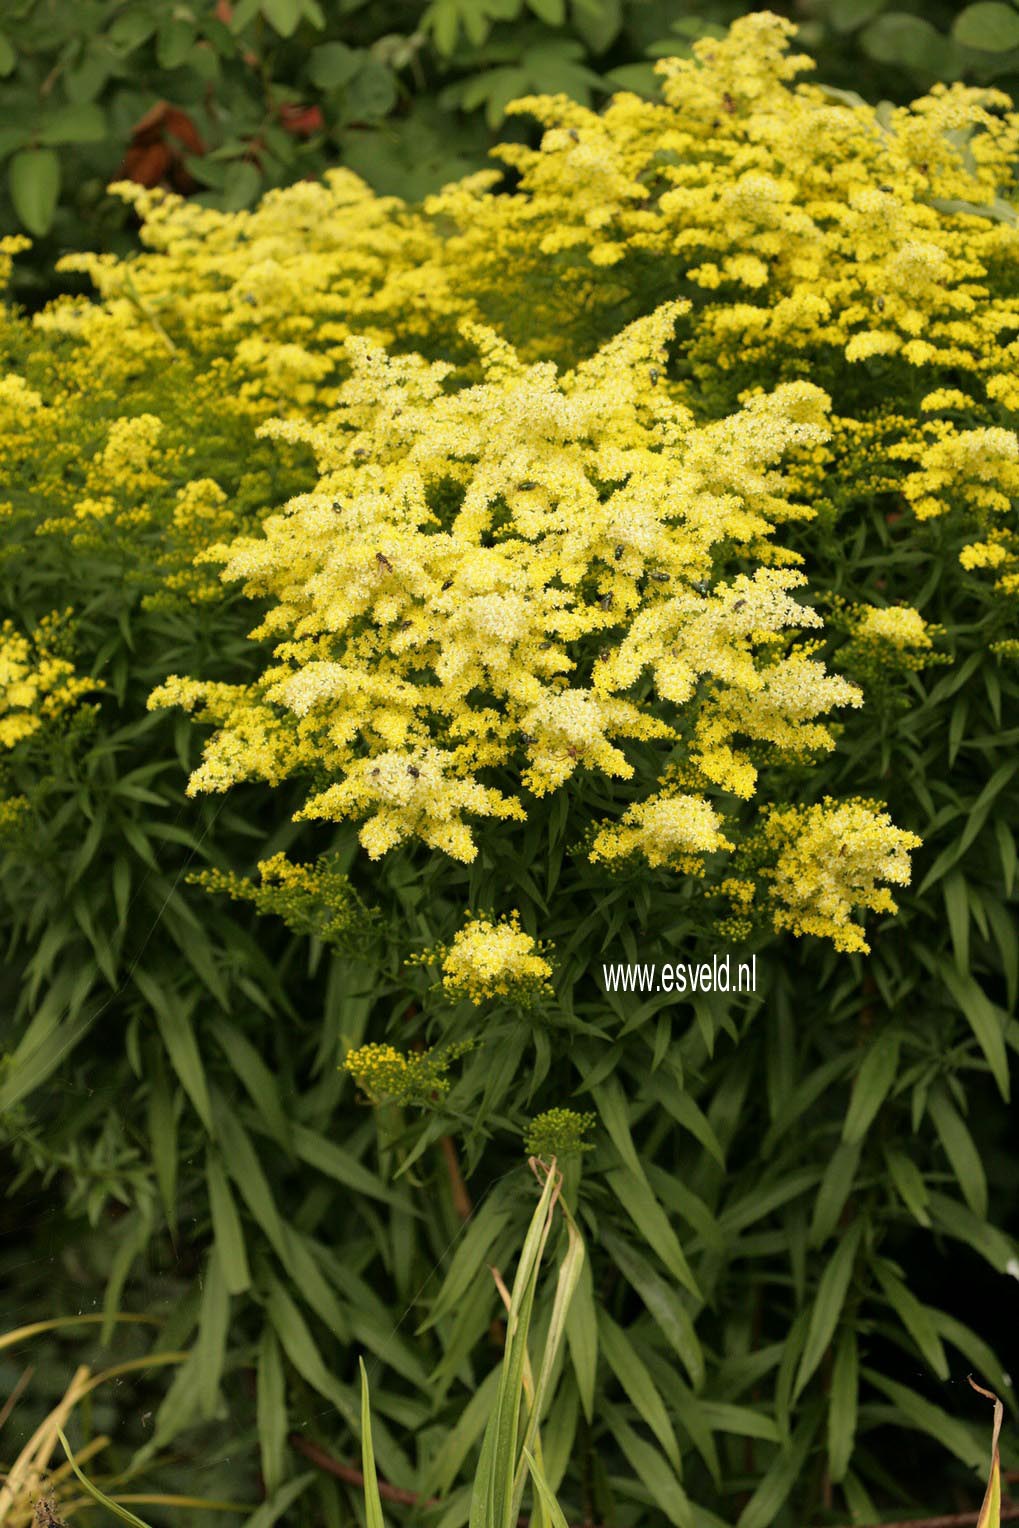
{"x": 491, "y": 959}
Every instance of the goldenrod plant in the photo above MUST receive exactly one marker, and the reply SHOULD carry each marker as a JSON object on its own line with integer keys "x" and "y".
{"x": 567, "y": 587}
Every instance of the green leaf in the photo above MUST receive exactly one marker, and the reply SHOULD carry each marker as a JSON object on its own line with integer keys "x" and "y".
{"x": 582, "y": 1336}
{"x": 336, "y": 1162}
{"x": 636, "y": 1381}
{"x": 688, "y": 1113}
{"x": 304, "y": 1353}
{"x": 33, "y": 177}
{"x": 333, "y": 64}
{"x": 663, "y": 1302}
{"x": 132, "y": 1238}
{"x": 241, "y": 184}
{"x": 284, "y": 15}
{"x": 272, "y": 1510}
{"x": 242, "y": 1163}
{"x": 551, "y": 12}
{"x": 847, "y": 15}
{"x": 842, "y": 1404}
{"x": 492, "y": 1501}
{"x": 907, "y": 41}
{"x": 8, "y": 57}
{"x": 371, "y": 93}
{"x": 915, "y": 1411}
{"x": 162, "y": 1119}
{"x": 440, "y": 1472}
{"x": 174, "y": 43}
{"x": 960, "y": 1222}
{"x": 909, "y": 1184}
{"x": 984, "y": 1019}
{"x": 641, "y": 79}
{"x": 258, "y": 1080}
{"x": 652, "y": 1471}
{"x": 956, "y": 898}
{"x": 226, "y": 1227}
{"x": 828, "y": 1303}
{"x": 960, "y": 1150}
{"x": 372, "y": 1499}
{"x": 598, "y": 22}
{"x": 836, "y": 1186}
{"x": 990, "y": 26}
{"x": 469, "y": 1259}
{"x": 124, "y": 1513}
{"x": 914, "y": 1315}
{"x": 75, "y": 124}
{"x": 614, "y": 1112}
{"x": 214, "y": 1322}
{"x": 544, "y": 1490}
{"x": 174, "y": 1023}
{"x": 271, "y": 1407}
{"x": 872, "y": 1085}
{"x": 780, "y": 1477}
{"x": 652, "y": 1222}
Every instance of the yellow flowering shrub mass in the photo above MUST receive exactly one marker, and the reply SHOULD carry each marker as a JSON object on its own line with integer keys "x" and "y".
{"x": 552, "y": 461}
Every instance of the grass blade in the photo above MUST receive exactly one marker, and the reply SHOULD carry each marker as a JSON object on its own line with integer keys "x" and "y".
{"x": 124, "y": 1513}
{"x": 372, "y": 1500}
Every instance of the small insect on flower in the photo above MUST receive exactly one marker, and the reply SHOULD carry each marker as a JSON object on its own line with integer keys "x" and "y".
{"x": 728, "y": 102}
{"x": 654, "y": 374}
{"x": 617, "y": 554}
{"x": 606, "y": 601}
{"x": 528, "y": 486}
{"x": 738, "y": 604}
{"x": 659, "y": 578}
{"x": 414, "y": 772}
{"x": 383, "y": 562}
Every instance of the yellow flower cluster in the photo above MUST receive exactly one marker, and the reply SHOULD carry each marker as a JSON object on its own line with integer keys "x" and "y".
{"x": 673, "y": 830}
{"x": 829, "y": 861}
{"x": 270, "y": 295}
{"x": 518, "y": 575}
{"x": 491, "y": 959}
{"x": 890, "y": 639}
{"x": 386, "y": 1075}
{"x": 311, "y": 899}
{"x": 36, "y": 684}
{"x": 558, "y": 1133}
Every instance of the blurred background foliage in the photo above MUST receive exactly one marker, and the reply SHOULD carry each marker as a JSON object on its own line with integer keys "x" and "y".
{"x": 223, "y": 99}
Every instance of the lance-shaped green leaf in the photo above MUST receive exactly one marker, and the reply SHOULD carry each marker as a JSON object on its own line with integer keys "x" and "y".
{"x": 872, "y": 1085}
{"x": 828, "y": 1303}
